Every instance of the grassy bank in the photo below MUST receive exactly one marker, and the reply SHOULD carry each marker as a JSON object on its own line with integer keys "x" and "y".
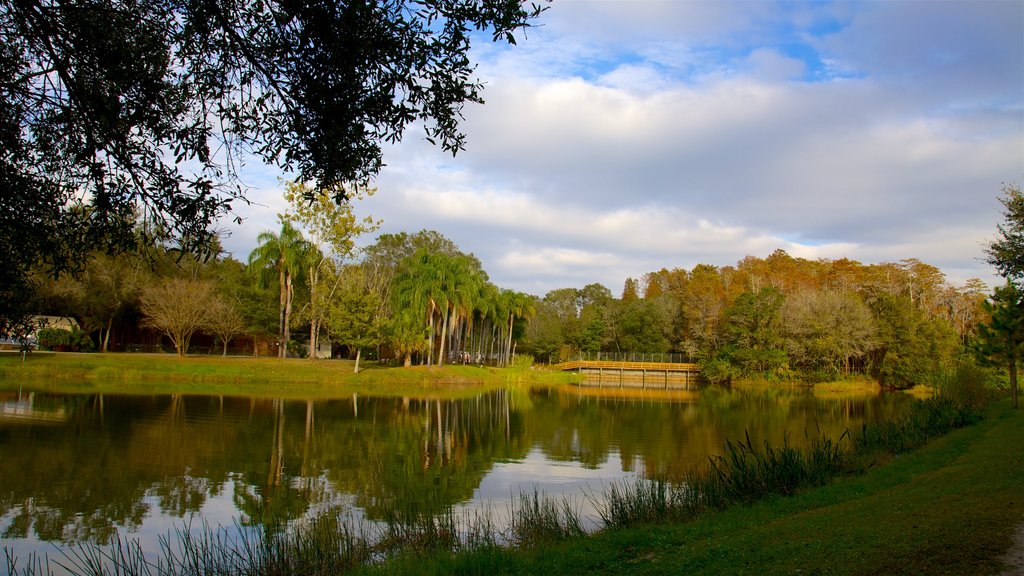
{"x": 257, "y": 377}
{"x": 950, "y": 507}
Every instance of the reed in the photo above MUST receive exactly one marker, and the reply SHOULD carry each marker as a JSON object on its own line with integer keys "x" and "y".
{"x": 536, "y": 519}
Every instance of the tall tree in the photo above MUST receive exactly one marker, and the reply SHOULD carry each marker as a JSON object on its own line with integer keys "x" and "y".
{"x": 331, "y": 229}
{"x": 123, "y": 104}
{"x": 1006, "y": 253}
{"x": 1001, "y": 341}
{"x": 827, "y": 330}
{"x": 753, "y": 331}
{"x": 283, "y": 255}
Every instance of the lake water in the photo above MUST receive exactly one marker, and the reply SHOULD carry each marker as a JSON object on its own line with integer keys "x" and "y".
{"x": 80, "y": 469}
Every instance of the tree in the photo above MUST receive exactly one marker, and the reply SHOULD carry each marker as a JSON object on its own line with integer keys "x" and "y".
{"x": 223, "y": 321}
{"x": 283, "y": 255}
{"x": 753, "y": 331}
{"x": 125, "y": 104}
{"x": 827, "y": 330}
{"x": 353, "y": 315}
{"x": 178, "y": 307}
{"x": 1007, "y": 252}
{"x": 331, "y": 228}
{"x": 912, "y": 348}
{"x": 1001, "y": 341}
{"x": 240, "y": 286}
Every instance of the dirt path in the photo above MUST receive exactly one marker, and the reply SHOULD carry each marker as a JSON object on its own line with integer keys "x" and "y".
{"x": 1014, "y": 557}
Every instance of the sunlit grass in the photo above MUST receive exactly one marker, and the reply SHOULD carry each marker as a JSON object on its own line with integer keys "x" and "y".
{"x": 290, "y": 378}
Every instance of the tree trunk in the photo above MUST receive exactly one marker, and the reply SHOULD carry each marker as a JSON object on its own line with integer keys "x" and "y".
{"x": 508, "y": 344}
{"x": 281, "y": 315}
{"x": 444, "y": 339}
{"x": 287, "y": 317}
{"x": 408, "y": 360}
{"x": 314, "y": 314}
{"x": 430, "y": 335}
{"x": 313, "y": 345}
{"x": 359, "y": 354}
{"x": 225, "y": 354}
{"x": 1013, "y": 380}
{"x": 106, "y": 338}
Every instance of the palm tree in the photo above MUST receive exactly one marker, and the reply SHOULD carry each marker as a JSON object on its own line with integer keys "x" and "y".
{"x": 283, "y": 255}
{"x": 517, "y": 305}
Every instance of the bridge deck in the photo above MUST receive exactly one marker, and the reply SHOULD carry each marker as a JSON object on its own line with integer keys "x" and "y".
{"x": 630, "y": 366}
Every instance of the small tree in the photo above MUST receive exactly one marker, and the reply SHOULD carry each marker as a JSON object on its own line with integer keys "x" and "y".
{"x": 178, "y": 307}
{"x": 224, "y": 321}
{"x": 352, "y": 318}
{"x": 1001, "y": 341}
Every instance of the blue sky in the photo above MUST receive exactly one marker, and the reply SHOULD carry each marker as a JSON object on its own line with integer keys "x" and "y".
{"x": 621, "y": 137}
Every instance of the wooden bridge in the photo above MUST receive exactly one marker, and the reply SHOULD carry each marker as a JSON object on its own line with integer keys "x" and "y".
{"x": 657, "y": 375}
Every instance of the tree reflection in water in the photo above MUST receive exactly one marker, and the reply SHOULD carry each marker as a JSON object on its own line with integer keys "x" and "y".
{"x": 135, "y": 465}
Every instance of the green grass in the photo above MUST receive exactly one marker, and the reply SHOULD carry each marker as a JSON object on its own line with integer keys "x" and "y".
{"x": 257, "y": 377}
{"x": 950, "y": 507}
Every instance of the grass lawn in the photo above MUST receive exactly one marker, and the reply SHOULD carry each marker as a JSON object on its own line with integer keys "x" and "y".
{"x": 948, "y": 508}
{"x": 259, "y": 377}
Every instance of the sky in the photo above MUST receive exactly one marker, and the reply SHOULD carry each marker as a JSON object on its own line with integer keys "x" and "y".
{"x": 621, "y": 137}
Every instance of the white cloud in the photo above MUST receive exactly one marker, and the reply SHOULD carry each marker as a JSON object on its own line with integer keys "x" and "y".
{"x": 623, "y": 137}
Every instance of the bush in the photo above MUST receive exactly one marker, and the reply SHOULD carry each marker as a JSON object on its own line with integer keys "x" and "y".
{"x": 62, "y": 340}
{"x": 718, "y": 371}
{"x": 54, "y": 338}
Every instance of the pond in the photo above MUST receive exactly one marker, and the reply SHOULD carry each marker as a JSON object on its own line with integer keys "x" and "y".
{"x": 79, "y": 469}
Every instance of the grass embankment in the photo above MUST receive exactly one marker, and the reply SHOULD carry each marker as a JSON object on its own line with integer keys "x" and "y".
{"x": 257, "y": 377}
{"x": 950, "y": 507}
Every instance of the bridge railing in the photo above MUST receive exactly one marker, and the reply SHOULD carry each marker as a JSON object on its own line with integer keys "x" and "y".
{"x": 656, "y": 357}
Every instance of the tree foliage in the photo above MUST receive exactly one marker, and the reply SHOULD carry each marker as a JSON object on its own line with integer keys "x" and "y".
{"x": 1001, "y": 340}
{"x": 1006, "y": 253}
{"x": 146, "y": 109}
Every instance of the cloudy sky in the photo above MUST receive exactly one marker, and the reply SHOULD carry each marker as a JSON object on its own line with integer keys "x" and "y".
{"x": 621, "y": 137}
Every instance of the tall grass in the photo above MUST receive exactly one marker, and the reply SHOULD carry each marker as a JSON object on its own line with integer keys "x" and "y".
{"x": 535, "y": 519}
{"x": 745, "y": 473}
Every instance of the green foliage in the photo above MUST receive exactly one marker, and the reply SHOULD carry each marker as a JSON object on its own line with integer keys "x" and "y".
{"x": 1001, "y": 341}
{"x": 1007, "y": 253}
{"x": 913, "y": 348}
{"x": 753, "y": 337}
{"x": 156, "y": 102}
{"x": 537, "y": 520}
{"x": 63, "y": 340}
{"x": 718, "y": 370}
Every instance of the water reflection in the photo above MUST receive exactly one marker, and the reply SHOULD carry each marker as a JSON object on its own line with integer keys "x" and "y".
{"x": 86, "y": 467}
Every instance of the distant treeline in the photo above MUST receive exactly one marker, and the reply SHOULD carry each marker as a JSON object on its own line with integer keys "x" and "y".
{"x": 778, "y": 317}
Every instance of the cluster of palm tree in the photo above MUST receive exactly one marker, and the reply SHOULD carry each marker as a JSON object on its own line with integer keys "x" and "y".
{"x": 466, "y": 318}
{"x": 435, "y": 302}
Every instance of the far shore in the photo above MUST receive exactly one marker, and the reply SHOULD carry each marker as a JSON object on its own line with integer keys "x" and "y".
{"x": 298, "y": 378}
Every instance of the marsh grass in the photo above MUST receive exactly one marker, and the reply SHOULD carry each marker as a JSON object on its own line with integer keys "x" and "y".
{"x": 745, "y": 474}
{"x": 536, "y": 519}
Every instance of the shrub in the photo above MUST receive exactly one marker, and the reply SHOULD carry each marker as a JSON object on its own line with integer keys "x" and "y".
{"x": 54, "y": 338}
